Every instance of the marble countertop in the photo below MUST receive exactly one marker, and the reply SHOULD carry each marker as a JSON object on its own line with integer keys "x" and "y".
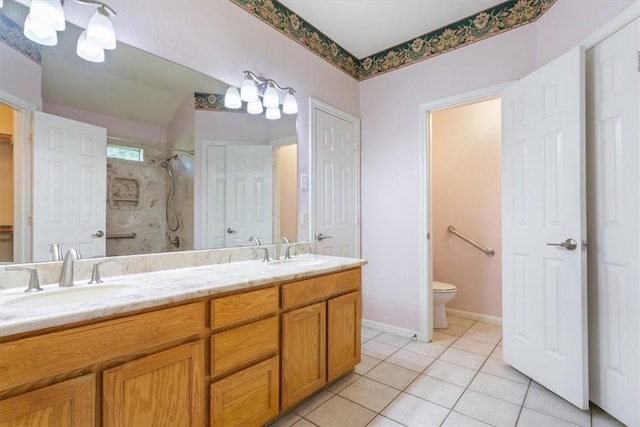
{"x": 17, "y": 315}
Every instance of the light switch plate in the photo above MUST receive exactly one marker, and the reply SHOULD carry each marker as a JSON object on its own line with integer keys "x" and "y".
{"x": 304, "y": 218}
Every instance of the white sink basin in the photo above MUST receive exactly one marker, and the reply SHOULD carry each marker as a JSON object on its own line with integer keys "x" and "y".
{"x": 295, "y": 262}
{"x": 72, "y": 295}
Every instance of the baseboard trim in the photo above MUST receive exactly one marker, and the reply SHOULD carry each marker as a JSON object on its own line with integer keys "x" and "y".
{"x": 408, "y": 333}
{"x": 475, "y": 316}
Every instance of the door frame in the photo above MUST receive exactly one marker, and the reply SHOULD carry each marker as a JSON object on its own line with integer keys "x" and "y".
{"x": 425, "y": 249}
{"x": 22, "y": 176}
{"x": 314, "y": 106}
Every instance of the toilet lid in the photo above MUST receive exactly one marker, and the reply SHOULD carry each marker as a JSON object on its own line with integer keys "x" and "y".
{"x": 443, "y": 287}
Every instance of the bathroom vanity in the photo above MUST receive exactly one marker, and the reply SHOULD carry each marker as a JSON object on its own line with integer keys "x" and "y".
{"x": 220, "y": 345}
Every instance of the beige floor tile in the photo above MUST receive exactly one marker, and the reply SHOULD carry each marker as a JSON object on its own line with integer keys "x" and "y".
{"x": 542, "y": 400}
{"x": 499, "y": 368}
{"x": 425, "y": 348}
{"x": 339, "y": 385}
{"x": 378, "y": 349}
{"x": 313, "y": 402}
{"x": 451, "y": 372}
{"x": 473, "y": 346}
{"x": 287, "y": 420}
{"x": 531, "y": 418}
{"x": 600, "y": 418}
{"x": 463, "y": 358}
{"x": 458, "y": 420}
{"x": 392, "y": 339}
{"x": 488, "y": 328}
{"x": 413, "y": 411}
{"x": 500, "y": 388}
{"x": 366, "y": 364}
{"x": 483, "y": 336}
{"x": 435, "y": 390}
{"x": 444, "y": 339}
{"x": 370, "y": 394}
{"x": 368, "y": 333}
{"x": 339, "y": 412}
{"x": 497, "y": 353}
{"x": 407, "y": 359}
{"x": 453, "y": 329}
{"x": 381, "y": 421}
{"x": 487, "y": 409}
{"x": 304, "y": 423}
{"x": 392, "y": 375}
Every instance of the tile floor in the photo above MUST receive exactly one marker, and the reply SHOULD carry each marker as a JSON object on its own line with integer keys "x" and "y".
{"x": 457, "y": 380}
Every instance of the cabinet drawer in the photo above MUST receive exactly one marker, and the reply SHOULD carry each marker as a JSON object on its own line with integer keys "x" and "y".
{"x": 241, "y": 307}
{"x": 319, "y": 288}
{"x": 241, "y": 345}
{"x": 49, "y": 355}
{"x": 248, "y": 397}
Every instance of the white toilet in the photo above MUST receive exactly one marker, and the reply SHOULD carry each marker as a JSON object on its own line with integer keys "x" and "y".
{"x": 442, "y": 294}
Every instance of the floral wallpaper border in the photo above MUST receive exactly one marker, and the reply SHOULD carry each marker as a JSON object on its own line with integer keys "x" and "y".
{"x": 214, "y": 102}
{"x": 11, "y": 34}
{"x": 490, "y": 22}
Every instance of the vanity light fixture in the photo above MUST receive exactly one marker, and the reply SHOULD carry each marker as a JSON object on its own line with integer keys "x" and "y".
{"x": 253, "y": 88}
{"x": 46, "y": 18}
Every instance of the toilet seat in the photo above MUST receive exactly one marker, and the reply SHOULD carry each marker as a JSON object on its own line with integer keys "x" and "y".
{"x": 443, "y": 287}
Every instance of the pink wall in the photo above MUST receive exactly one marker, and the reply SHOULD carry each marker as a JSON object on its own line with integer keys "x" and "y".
{"x": 389, "y": 107}
{"x": 20, "y": 76}
{"x": 466, "y": 186}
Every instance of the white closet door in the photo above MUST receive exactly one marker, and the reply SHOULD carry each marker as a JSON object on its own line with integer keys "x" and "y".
{"x": 614, "y": 223}
{"x": 544, "y": 287}
{"x": 69, "y": 186}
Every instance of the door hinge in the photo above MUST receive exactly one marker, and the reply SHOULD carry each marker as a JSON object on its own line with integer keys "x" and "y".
{"x": 584, "y": 245}
{"x": 428, "y": 236}
{"x": 30, "y": 137}
{"x": 30, "y": 220}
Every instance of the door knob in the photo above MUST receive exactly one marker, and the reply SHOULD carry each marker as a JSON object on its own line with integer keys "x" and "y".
{"x": 568, "y": 244}
{"x": 231, "y": 230}
{"x": 99, "y": 233}
{"x": 320, "y": 237}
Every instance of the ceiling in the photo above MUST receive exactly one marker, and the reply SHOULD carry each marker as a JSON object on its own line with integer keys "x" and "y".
{"x": 365, "y": 27}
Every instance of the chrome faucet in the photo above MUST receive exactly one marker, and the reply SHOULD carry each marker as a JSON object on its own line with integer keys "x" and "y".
{"x": 95, "y": 272}
{"x": 56, "y": 252}
{"x": 255, "y": 240}
{"x": 278, "y": 249}
{"x": 34, "y": 283}
{"x": 66, "y": 275}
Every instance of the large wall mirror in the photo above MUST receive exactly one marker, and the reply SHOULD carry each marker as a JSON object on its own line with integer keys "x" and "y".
{"x": 175, "y": 177}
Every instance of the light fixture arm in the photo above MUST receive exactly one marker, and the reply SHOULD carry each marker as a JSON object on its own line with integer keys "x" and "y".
{"x": 262, "y": 82}
{"x": 104, "y": 8}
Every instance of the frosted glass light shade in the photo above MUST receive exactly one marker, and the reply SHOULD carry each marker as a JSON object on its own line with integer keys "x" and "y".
{"x": 89, "y": 51}
{"x": 290, "y": 105}
{"x": 273, "y": 113}
{"x": 39, "y": 32}
{"x": 249, "y": 90}
{"x": 48, "y": 12}
{"x": 255, "y": 107}
{"x": 232, "y": 98}
{"x": 100, "y": 31}
{"x": 271, "y": 99}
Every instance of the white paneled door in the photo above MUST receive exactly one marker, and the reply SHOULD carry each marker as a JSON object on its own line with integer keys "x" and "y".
{"x": 336, "y": 185}
{"x": 614, "y": 223}
{"x": 239, "y": 194}
{"x": 69, "y": 186}
{"x": 543, "y": 211}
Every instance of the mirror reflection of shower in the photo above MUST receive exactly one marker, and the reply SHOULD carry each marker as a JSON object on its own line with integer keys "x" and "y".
{"x": 173, "y": 221}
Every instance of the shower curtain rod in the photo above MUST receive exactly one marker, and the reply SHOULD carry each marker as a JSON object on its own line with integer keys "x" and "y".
{"x": 148, "y": 144}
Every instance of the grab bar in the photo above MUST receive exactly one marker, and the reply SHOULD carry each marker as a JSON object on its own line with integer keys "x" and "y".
{"x": 488, "y": 251}
{"x": 122, "y": 236}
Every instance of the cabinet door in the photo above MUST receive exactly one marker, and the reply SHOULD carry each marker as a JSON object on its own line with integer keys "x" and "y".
{"x": 303, "y": 354}
{"x": 248, "y": 397}
{"x": 164, "y": 389}
{"x": 70, "y": 403}
{"x": 343, "y": 334}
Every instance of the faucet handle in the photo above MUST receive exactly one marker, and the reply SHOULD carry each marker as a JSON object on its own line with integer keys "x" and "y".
{"x": 34, "y": 283}
{"x": 95, "y": 272}
{"x": 266, "y": 254}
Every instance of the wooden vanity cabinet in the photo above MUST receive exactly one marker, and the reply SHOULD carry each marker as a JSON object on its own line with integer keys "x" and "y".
{"x": 165, "y": 388}
{"x": 321, "y": 337}
{"x": 245, "y": 346}
{"x": 66, "y": 404}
